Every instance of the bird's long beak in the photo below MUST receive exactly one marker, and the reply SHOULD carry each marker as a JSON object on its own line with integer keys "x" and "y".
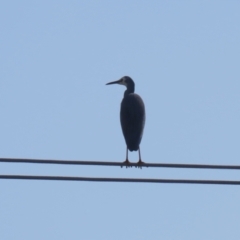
{"x": 115, "y": 82}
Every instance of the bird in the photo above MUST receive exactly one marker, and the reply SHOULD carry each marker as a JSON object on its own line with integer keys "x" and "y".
{"x": 132, "y": 117}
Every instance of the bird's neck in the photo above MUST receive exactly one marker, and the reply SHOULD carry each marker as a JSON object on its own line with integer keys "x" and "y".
{"x": 129, "y": 90}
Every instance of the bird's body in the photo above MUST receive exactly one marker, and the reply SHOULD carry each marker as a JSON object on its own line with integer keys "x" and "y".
{"x": 132, "y": 116}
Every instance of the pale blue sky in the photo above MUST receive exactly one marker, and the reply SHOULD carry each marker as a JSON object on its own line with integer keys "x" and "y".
{"x": 57, "y": 56}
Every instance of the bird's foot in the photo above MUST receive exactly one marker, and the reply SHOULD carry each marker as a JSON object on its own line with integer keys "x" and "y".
{"x": 126, "y": 163}
{"x": 140, "y": 164}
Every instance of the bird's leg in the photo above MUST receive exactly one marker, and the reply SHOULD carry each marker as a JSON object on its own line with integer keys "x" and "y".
{"x": 126, "y": 162}
{"x": 140, "y": 162}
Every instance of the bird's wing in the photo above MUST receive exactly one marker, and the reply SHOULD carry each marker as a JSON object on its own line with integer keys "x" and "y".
{"x": 132, "y": 118}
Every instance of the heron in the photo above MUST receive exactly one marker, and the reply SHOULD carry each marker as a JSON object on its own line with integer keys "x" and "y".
{"x": 132, "y": 117}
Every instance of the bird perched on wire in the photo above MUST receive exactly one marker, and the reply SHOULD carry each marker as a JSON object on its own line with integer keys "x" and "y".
{"x": 132, "y": 117}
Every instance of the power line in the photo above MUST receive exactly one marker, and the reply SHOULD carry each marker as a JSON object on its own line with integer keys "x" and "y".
{"x": 126, "y": 180}
{"x": 120, "y": 164}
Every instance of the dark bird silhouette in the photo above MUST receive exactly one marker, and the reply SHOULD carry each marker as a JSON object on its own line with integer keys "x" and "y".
{"x": 132, "y": 117}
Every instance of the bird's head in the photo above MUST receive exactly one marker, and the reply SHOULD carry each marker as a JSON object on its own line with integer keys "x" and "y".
{"x": 126, "y": 81}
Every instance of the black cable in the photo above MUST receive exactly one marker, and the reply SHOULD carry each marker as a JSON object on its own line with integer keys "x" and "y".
{"x": 120, "y": 164}
{"x": 128, "y": 180}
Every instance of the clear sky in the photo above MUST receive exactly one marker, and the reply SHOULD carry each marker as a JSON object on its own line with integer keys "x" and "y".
{"x": 57, "y": 56}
